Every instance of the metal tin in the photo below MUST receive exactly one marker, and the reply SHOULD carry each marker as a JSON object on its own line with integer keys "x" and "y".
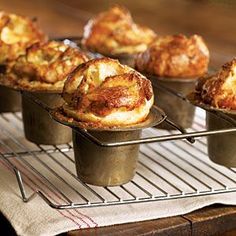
{"x": 38, "y": 125}
{"x": 102, "y": 165}
{"x": 106, "y": 166}
{"x": 125, "y": 59}
{"x": 221, "y": 147}
{"x": 10, "y": 100}
{"x": 176, "y": 109}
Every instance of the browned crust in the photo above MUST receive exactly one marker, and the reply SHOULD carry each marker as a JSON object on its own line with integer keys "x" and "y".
{"x": 114, "y": 32}
{"x": 214, "y": 91}
{"x": 83, "y": 71}
{"x": 175, "y": 56}
{"x": 124, "y": 91}
{"x": 61, "y": 116}
{"x": 25, "y": 31}
{"x": 44, "y": 66}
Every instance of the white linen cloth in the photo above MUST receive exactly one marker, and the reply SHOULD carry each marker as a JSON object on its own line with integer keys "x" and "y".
{"x": 184, "y": 165}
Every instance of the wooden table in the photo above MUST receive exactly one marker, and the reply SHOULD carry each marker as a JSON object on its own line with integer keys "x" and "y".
{"x": 213, "y": 220}
{"x": 214, "y": 21}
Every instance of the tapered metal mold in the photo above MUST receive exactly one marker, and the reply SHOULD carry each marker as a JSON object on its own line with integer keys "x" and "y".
{"x": 10, "y": 100}
{"x": 39, "y": 128}
{"x": 124, "y": 58}
{"x": 221, "y": 147}
{"x": 176, "y": 108}
{"x": 107, "y": 166}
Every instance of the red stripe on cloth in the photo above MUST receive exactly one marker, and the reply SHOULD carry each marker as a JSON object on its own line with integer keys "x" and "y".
{"x": 32, "y": 188}
{"x": 49, "y": 191}
{"x": 58, "y": 196}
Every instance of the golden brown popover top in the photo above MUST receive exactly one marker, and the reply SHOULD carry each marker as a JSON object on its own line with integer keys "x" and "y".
{"x": 219, "y": 90}
{"x": 175, "y": 56}
{"x": 45, "y": 67}
{"x": 104, "y": 91}
{"x": 16, "y": 34}
{"x": 114, "y": 32}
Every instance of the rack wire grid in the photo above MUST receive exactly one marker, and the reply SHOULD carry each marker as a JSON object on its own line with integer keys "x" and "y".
{"x": 166, "y": 170}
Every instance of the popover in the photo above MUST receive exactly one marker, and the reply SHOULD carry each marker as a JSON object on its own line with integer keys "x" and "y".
{"x": 44, "y": 66}
{"x": 219, "y": 90}
{"x": 104, "y": 92}
{"x": 174, "y": 56}
{"x": 16, "y": 34}
{"x": 114, "y": 32}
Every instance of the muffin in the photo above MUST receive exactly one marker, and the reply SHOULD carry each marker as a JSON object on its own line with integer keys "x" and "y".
{"x": 16, "y": 34}
{"x": 113, "y": 33}
{"x": 174, "y": 63}
{"x": 109, "y": 100}
{"x": 217, "y": 93}
{"x": 41, "y": 74}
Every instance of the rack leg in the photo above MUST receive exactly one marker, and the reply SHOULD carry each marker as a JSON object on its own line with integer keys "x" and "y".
{"x": 20, "y": 183}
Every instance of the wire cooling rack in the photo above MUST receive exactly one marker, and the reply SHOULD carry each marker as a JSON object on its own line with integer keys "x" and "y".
{"x": 167, "y": 170}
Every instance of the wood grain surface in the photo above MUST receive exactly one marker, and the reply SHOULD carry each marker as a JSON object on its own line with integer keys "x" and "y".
{"x": 212, "y": 220}
{"x": 167, "y": 226}
{"x": 214, "y": 20}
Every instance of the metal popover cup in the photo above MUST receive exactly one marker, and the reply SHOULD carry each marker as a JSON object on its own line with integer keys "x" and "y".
{"x": 123, "y": 58}
{"x": 221, "y": 147}
{"x": 39, "y": 128}
{"x": 10, "y": 100}
{"x": 126, "y": 59}
{"x": 107, "y": 166}
{"x": 176, "y": 109}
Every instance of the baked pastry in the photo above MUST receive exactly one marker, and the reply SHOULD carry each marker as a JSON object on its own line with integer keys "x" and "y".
{"x": 114, "y": 32}
{"x": 16, "y": 34}
{"x": 175, "y": 56}
{"x": 45, "y": 67}
{"x": 104, "y": 92}
{"x": 219, "y": 90}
